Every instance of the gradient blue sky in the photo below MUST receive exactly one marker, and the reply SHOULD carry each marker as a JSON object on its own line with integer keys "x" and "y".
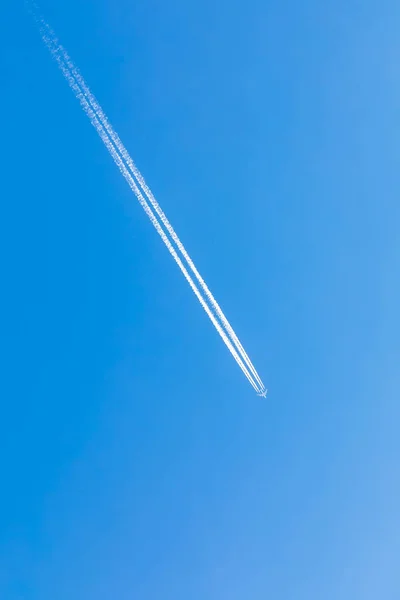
{"x": 136, "y": 461}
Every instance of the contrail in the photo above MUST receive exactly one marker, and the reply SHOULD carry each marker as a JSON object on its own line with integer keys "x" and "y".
{"x": 140, "y": 179}
{"x": 102, "y": 126}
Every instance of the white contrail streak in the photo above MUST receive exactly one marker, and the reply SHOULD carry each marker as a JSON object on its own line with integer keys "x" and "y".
{"x": 140, "y": 179}
{"x": 102, "y": 126}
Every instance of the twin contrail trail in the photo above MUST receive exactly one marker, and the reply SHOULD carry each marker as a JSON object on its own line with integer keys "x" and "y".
{"x": 146, "y": 198}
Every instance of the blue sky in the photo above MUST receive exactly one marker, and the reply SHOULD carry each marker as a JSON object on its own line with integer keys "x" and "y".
{"x": 136, "y": 460}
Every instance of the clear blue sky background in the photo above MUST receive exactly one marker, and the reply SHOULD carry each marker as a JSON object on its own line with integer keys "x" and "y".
{"x": 136, "y": 461}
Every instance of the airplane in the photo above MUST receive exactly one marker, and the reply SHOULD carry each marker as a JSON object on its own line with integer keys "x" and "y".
{"x": 263, "y": 394}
